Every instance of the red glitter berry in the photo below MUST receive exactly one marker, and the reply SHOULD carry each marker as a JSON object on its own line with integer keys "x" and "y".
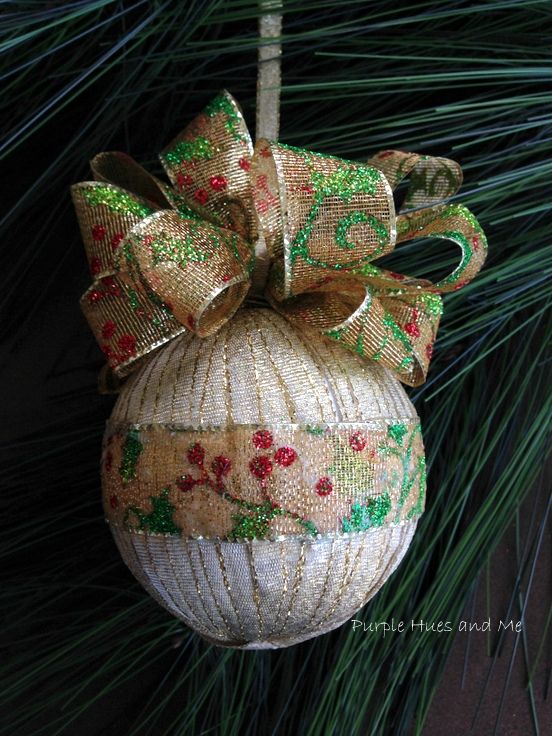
{"x": 357, "y": 442}
{"x": 196, "y": 454}
{"x": 414, "y": 315}
{"x": 285, "y": 456}
{"x": 385, "y": 154}
{"x": 98, "y": 232}
{"x": 221, "y": 465}
{"x": 218, "y": 182}
{"x": 262, "y": 439}
{"x": 412, "y": 329}
{"x": 429, "y": 350}
{"x": 106, "y": 350}
{"x": 396, "y": 276}
{"x": 94, "y": 296}
{"x": 95, "y": 266}
{"x": 108, "y": 329}
{"x": 244, "y": 164}
{"x": 184, "y": 180}
{"x": 475, "y": 241}
{"x": 261, "y": 466}
{"x": 108, "y": 462}
{"x": 201, "y": 195}
{"x": 324, "y": 486}
{"x": 185, "y": 483}
{"x": 116, "y": 240}
{"x": 127, "y": 343}
{"x": 113, "y": 501}
{"x": 112, "y": 286}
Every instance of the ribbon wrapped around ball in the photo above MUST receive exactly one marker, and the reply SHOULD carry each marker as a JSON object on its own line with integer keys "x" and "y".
{"x": 306, "y": 226}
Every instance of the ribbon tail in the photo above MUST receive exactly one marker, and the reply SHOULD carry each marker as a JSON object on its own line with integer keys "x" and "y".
{"x": 448, "y": 222}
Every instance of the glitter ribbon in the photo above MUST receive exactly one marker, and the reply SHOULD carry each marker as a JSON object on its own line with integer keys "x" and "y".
{"x": 166, "y": 259}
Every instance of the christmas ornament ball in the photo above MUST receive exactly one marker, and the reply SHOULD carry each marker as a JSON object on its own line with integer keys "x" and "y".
{"x": 262, "y": 484}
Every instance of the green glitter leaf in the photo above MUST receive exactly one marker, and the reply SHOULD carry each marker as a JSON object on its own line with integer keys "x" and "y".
{"x": 196, "y": 149}
{"x": 308, "y": 526}
{"x": 367, "y": 269}
{"x": 316, "y": 431}
{"x": 159, "y": 520}
{"x": 256, "y": 524}
{"x": 115, "y": 199}
{"x": 397, "y": 432}
{"x": 223, "y": 104}
{"x": 365, "y": 516}
{"x": 252, "y": 526}
{"x": 132, "y": 448}
{"x": 431, "y": 303}
{"x": 197, "y": 246}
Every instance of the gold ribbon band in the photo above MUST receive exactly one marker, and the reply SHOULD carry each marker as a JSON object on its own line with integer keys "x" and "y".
{"x": 259, "y": 479}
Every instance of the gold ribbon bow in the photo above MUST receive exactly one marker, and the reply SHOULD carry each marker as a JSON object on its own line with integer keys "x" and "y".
{"x": 169, "y": 259}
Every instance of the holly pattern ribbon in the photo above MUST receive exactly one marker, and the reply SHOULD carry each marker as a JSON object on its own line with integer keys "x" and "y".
{"x": 166, "y": 259}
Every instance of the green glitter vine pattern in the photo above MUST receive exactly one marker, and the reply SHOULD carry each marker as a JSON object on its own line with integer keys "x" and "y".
{"x": 374, "y": 512}
{"x": 345, "y": 182}
{"x": 392, "y": 332}
{"x": 200, "y": 148}
{"x": 412, "y": 474}
{"x": 222, "y": 104}
{"x": 251, "y": 520}
{"x": 351, "y": 475}
{"x": 440, "y": 183}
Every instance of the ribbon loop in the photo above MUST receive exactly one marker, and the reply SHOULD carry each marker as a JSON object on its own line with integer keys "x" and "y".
{"x": 106, "y": 213}
{"x": 208, "y": 165}
{"x": 391, "y": 322}
{"x": 200, "y": 272}
{"x": 120, "y": 170}
{"x": 432, "y": 179}
{"x": 324, "y": 216}
{"x": 169, "y": 259}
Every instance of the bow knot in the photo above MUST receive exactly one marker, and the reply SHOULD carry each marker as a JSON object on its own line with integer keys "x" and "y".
{"x": 166, "y": 259}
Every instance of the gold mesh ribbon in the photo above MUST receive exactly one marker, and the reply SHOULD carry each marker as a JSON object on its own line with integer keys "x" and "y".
{"x": 166, "y": 259}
